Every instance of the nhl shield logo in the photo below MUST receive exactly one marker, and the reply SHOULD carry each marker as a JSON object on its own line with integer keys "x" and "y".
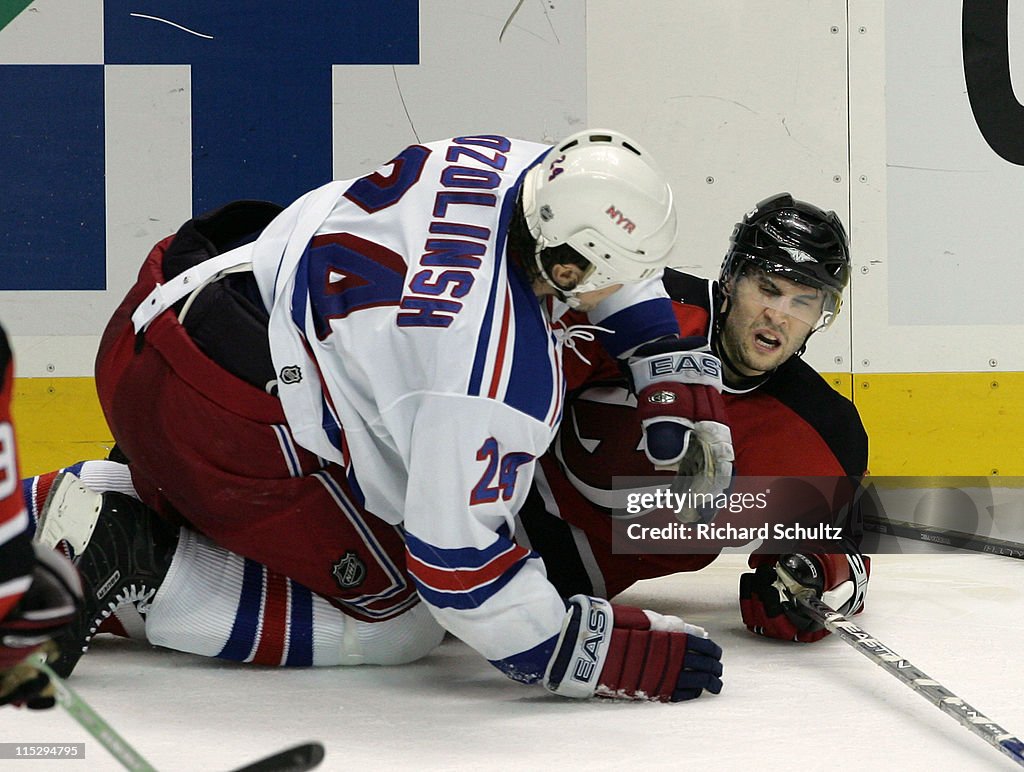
{"x": 291, "y": 374}
{"x": 350, "y": 571}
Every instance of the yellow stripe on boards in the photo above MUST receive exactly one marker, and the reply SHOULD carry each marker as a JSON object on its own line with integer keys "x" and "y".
{"x": 943, "y": 424}
{"x": 919, "y": 424}
{"x": 58, "y": 422}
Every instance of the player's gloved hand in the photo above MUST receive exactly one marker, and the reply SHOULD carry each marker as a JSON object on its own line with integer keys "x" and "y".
{"x": 678, "y": 384}
{"x": 25, "y": 685}
{"x": 49, "y": 605}
{"x": 767, "y": 596}
{"x": 629, "y": 653}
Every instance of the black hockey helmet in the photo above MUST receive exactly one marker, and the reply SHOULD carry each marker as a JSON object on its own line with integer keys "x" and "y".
{"x": 797, "y": 241}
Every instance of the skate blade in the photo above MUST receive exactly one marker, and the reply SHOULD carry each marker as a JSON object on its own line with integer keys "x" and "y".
{"x": 69, "y": 513}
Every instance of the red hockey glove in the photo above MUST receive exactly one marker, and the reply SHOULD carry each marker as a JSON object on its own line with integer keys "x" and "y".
{"x": 767, "y": 595}
{"x": 678, "y": 384}
{"x": 49, "y": 604}
{"x": 628, "y": 653}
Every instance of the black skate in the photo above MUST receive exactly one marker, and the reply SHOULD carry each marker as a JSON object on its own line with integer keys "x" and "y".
{"x": 122, "y": 550}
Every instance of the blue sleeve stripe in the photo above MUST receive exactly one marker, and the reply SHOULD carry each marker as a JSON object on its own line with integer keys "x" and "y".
{"x": 531, "y": 385}
{"x": 640, "y": 323}
{"x": 528, "y": 666}
{"x": 459, "y": 557}
{"x": 480, "y": 363}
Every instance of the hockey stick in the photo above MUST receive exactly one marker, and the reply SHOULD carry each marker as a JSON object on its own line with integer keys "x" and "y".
{"x": 298, "y": 759}
{"x": 79, "y": 710}
{"x": 934, "y": 535}
{"x": 937, "y": 694}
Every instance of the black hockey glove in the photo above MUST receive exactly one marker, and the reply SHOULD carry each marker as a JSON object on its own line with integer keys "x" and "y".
{"x": 767, "y": 601}
{"x": 46, "y": 608}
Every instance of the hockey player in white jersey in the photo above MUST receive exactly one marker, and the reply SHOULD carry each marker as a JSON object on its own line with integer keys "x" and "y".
{"x": 411, "y": 373}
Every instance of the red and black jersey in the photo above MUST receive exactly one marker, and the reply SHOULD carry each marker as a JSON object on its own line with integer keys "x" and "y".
{"x": 789, "y": 424}
{"x": 16, "y": 556}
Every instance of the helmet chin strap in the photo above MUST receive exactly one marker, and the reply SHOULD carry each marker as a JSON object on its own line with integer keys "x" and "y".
{"x": 559, "y": 292}
{"x": 527, "y": 205}
{"x": 573, "y": 301}
{"x": 567, "y": 296}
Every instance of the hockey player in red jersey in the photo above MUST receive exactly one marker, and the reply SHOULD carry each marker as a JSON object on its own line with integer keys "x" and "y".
{"x": 786, "y": 421}
{"x": 353, "y": 393}
{"x": 39, "y": 589}
{"x": 781, "y": 281}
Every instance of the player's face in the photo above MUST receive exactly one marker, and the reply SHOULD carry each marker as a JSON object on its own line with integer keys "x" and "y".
{"x": 568, "y": 275}
{"x": 768, "y": 321}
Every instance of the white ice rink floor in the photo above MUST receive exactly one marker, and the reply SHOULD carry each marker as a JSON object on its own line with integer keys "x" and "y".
{"x": 958, "y": 617}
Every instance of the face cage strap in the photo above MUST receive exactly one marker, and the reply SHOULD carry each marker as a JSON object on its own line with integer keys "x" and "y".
{"x": 559, "y": 292}
{"x": 539, "y": 246}
{"x": 832, "y": 295}
{"x": 568, "y": 296}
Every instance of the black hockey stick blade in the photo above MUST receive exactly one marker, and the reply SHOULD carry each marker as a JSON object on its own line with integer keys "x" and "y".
{"x": 297, "y": 759}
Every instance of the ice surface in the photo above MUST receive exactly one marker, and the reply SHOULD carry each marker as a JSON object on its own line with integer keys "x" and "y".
{"x": 785, "y": 706}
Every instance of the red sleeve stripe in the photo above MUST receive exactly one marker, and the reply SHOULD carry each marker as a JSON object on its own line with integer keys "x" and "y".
{"x": 499, "y": 358}
{"x": 462, "y": 579}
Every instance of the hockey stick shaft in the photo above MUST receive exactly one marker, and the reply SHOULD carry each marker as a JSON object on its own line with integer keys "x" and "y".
{"x": 298, "y": 759}
{"x": 79, "y": 710}
{"x": 934, "y": 535}
{"x": 911, "y": 676}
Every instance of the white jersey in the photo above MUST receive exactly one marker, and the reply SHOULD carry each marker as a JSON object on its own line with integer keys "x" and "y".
{"x": 410, "y": 351}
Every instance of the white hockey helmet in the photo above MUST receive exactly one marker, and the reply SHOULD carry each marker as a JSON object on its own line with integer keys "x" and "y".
{"x": 599, "y": 192}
